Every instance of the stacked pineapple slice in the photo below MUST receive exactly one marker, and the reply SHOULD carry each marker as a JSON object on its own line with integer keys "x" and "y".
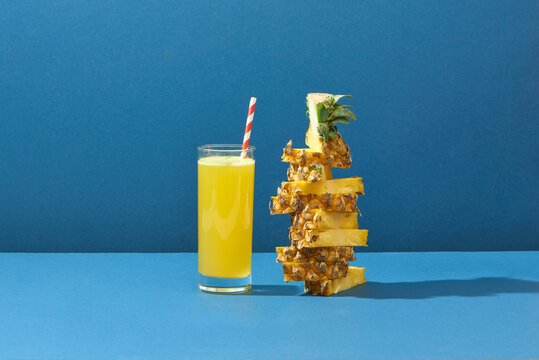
{"x": 324, "y": 226}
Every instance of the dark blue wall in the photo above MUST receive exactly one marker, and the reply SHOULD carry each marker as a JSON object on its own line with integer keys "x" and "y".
{"x": 103, "y": 103}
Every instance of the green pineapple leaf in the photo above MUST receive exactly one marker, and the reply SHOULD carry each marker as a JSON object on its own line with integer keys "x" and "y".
{"x": 341, "y": 119}
{"x": 342, "y": 112}
{"x": 339, "y": 97}
{"x": 323, "y": 131}
{"x": 322, "y": 113}
{"x": 331, "y": 113}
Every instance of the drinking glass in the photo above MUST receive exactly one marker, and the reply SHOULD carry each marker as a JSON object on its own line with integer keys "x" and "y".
{"x": 225, "y": 218}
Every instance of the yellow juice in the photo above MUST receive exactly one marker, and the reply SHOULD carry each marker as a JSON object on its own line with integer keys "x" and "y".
{"x": 225, "y": 216}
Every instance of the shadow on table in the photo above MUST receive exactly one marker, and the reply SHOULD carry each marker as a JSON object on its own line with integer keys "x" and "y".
{"x": 276, "y": 290}
{"x": 440, "y": 288}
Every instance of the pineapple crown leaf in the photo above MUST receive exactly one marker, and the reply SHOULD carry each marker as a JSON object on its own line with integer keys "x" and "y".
{"x": 331, "y": 113}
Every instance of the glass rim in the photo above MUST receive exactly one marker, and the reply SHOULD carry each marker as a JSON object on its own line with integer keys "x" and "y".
{"x": 224, "y": 148}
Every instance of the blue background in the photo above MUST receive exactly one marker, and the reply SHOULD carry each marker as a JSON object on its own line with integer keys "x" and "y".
{"x": 103, "y": 103}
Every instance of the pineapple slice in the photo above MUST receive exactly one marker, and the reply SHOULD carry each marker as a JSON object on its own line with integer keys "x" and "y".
{"x": 328, "y": 237}
{"x": 351, "y": 185}
{"x": 320, "y": 219}
{"x": 322, "y": 135}
{"x": 355, "y": 276}
{"x": 305, "y": 271}
{"x": 310, "y": 157}
{"x": 309, "y": 173}
{"x": 329, "y": 254}
{"x": 285, "y": 203}
{"x": 331, "y": 195}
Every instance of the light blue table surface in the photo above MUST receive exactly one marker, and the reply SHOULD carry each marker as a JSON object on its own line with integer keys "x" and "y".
{"x": 147, "y": 306}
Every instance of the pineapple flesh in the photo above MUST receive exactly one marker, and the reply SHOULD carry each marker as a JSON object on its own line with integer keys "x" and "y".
{"x": 328, "y": 237}
{"x": 351, "y": 185}
{"x": 355, "y": 276}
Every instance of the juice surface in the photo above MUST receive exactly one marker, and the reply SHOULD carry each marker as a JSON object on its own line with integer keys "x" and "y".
{"x": 225, "y": 216}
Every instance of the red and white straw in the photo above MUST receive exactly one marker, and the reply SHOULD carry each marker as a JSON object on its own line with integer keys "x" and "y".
{"x": 248, "y": 126}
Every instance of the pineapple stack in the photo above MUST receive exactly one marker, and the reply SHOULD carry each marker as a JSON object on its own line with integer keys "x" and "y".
{"x": 324, "y": 227}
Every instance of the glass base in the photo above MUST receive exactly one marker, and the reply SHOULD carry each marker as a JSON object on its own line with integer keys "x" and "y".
{"x": 214, "y": 285}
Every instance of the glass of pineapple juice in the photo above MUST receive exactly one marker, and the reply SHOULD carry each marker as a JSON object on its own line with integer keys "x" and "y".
{"x": 225, "y": 218}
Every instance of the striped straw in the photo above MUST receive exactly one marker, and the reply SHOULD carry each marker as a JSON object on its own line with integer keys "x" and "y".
{"x": 248, "y": 126}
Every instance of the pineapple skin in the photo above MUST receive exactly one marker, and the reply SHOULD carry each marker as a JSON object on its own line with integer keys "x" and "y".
{"x": 317, "y": 271}
{"x": 355, "y": 276}
{"x": 327, "y": 254}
